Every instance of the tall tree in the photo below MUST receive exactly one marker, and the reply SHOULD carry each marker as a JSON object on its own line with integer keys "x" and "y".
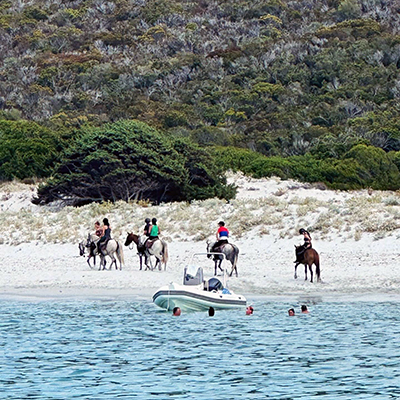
{"x": 128, "y": 160}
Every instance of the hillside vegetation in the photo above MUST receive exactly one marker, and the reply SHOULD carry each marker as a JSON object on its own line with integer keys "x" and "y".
{"x": 314, "y": 84}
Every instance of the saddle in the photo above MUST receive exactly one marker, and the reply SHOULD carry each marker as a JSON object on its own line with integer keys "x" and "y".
{"x": 103, "y": 245}
{"x": 219, "y": 246}
{"x": 149, "y": 243}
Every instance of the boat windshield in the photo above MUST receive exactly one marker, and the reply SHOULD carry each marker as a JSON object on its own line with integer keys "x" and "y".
{"x": 193, "y": 275}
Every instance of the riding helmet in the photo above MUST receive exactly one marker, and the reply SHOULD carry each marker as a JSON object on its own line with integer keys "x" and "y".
{"x": 302, "y": 230}
{"x": 147, "y": 220}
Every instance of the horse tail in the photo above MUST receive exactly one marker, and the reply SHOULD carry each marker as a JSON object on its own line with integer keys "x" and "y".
{"x": 120, "y": 254}
{"x": 235, "y": 254}
{"x": 235, "y": 258}
{"x": 317, "y": 268}
{"x": 165, "y": 253}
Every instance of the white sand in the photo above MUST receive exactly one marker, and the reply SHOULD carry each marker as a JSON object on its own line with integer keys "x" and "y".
{"x": 366, "y": 268}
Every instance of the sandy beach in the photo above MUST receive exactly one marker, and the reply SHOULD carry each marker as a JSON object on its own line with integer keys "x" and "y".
{"x": 357, "y": 261}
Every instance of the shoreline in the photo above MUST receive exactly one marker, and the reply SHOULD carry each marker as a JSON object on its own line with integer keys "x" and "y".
{"x": 145, "y": 295}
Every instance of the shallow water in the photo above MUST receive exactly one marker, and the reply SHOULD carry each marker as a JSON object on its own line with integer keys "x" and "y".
{"x": 132, "y": 350}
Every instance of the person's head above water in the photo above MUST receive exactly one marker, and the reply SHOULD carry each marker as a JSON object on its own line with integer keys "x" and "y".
{"x": 304, "y": 309}
{"x": 176, "y": 312}
{"x": 291, "y": 312}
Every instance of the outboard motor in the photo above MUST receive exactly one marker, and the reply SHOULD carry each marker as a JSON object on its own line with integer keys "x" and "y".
{"x": 215, "y": 284}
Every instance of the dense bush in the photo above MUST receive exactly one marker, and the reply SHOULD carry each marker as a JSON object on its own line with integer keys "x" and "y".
{"x": 128, "y": 160}
{"x": 27, "y": 150}
{"x": 361, "y": 167}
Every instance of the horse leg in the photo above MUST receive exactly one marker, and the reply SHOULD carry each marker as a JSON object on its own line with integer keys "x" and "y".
{"x": 102, "y": 263}
{"x": 234, "y": 269}
{"x": 140, "y": 261}
{"x": 219, "y": 265}
{"x": 113, "y": 261}
{"x": 146, "y": 262}
{"x": 311, "y": 273}
{"x": 159, "y": 263}
{"x": 305, "y": 271}
{"x": 295, "y": 270}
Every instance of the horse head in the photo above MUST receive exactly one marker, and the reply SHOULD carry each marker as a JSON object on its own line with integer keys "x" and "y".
{"x": 81, "y": 249}
{"x": 88, "y": 241}
{"x": 209, "y": 245}
{"x": 129, "y": 239}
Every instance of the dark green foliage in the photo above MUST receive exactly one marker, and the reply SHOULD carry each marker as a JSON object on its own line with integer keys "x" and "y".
{"x": 129, "y": 160}
{"x": 283, "y": 78}
{"x": 363, "y": 166}
{"x": 26, "y": 150}
{"x": 379, "y": 170}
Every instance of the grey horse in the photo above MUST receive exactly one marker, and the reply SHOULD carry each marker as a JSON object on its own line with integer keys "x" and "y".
{"x": 231, "y": 254}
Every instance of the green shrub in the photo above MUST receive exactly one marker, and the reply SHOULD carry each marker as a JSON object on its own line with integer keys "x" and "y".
{"x": 26, "y": 150}
{"x": 128, "y": 160}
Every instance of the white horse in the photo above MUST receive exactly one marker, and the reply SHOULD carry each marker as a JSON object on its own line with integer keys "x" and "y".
{"x": 159, "y": 250}
{"x": 111, "y": 249}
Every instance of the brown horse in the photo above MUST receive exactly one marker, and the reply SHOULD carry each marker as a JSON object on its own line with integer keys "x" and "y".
{"x": 132, "y": 238}
{"x": 308, "y": 258}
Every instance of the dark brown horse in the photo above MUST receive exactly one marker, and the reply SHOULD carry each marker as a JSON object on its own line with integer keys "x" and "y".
{"x": 132, "y": 238}
{"x": 308, "y": 258}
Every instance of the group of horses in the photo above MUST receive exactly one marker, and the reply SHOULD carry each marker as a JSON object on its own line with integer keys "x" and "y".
{"x": 114, "y": 249}
{"x": 159, "y": 249}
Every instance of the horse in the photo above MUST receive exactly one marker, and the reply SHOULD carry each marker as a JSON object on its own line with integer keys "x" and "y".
{"x": 111, "y": 248}
{"x": 132, "y": 238}
{"x": 82, "y": 250}
{"x": 158, "y": 249}
{"x": 231, "y": 254}
{"x": 308, "y": 258}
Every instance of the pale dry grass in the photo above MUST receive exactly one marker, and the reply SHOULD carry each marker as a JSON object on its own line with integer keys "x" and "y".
{"x": 349, "y": 216}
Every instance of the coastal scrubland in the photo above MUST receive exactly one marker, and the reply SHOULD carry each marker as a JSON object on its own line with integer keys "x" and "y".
{"x": 306, "y": 90}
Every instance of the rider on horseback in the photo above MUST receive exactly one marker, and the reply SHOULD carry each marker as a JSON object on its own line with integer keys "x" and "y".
{"x": 147, "y": 227}
{"x": 222, "y": 236}
{"x": 154, "y": 232}
{"x": 307, "y": 243}
{"x": 105, "y": 238}
{"x": 98, "y": 231}
{"x": 146, "y": 233}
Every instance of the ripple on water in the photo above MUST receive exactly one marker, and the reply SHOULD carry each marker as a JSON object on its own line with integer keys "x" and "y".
{"x": 122, "y": 349}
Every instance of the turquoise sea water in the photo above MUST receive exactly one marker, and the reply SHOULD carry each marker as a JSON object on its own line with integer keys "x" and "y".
{"x": 132, "y": 350}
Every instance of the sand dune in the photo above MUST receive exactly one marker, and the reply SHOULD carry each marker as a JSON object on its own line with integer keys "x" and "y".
{"x": 356, "y": 234}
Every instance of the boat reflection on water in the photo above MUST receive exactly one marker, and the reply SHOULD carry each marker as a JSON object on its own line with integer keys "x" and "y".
{"x": 197, "y": 293}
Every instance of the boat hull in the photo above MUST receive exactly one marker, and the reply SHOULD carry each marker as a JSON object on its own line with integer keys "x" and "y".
{"x": 189, "y": 298}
